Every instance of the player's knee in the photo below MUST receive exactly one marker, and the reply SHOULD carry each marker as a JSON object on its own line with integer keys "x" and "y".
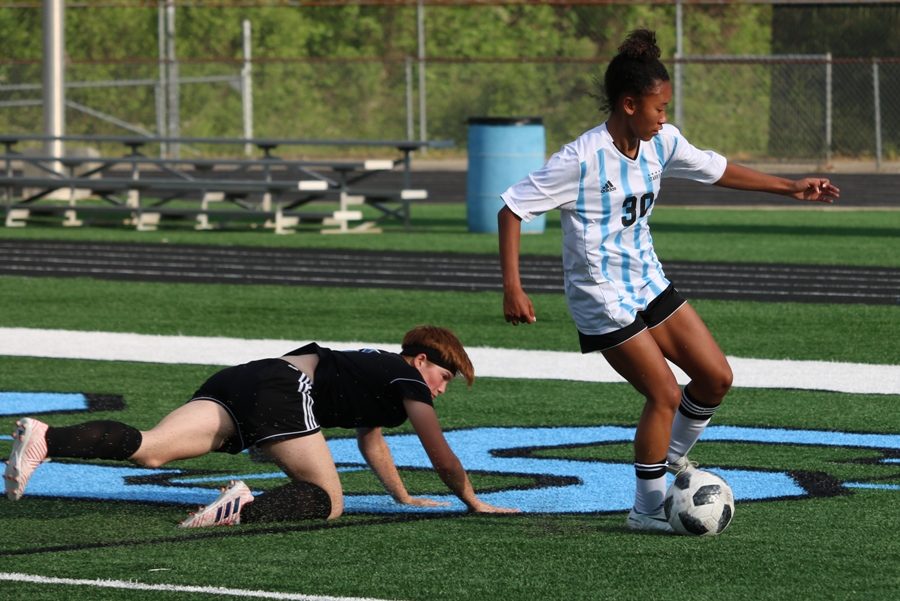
{"x": 665, "y": 398}
{"x": 720, "y": 381}
{"x": 337, "y": 506}
{"x": 712, "y": 386}
{"x": 149, "y": 461}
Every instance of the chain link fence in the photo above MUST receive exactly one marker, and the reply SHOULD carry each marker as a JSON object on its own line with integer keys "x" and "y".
{"x": 794, "y": 108}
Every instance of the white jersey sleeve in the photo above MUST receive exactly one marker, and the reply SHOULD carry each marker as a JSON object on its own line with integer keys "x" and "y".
{"x": 688, "y": 162}
{"x": 553, "y": 186}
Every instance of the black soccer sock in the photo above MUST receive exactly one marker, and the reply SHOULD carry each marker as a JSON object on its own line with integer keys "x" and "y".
{"x": 694, "y": 409}
{"x": 94, "y": 440}
{"x": 293, "y": 501}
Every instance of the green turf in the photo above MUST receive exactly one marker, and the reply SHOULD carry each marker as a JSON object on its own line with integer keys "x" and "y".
{"x": 774, "y": 550}
{"x": 829, "y": 332}
{"x": 840, "y": 547}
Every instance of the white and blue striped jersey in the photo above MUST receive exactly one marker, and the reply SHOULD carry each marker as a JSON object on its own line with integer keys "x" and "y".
{"x": 606, "y": 199}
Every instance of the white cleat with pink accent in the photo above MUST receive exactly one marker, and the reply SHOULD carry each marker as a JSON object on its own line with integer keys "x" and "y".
{"x": 224, "y": 511}
{"x": 29, "y": 450}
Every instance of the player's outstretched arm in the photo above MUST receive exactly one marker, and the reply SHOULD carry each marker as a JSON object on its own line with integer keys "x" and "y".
{"x": 375, "y": 450}
{"x": 517, "y": 307}
{"x": 816, "y": 189}
{"x": 446, "y": 463}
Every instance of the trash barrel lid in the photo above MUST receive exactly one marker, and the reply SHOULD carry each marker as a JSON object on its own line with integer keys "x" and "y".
{"x": 505, "y": 121}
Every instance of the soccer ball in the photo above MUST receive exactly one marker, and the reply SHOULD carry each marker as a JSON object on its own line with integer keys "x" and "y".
{"x": 699, "y": 503}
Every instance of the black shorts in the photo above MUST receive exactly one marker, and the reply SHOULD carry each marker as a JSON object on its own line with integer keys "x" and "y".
{"x": 659, "y": 310}
{"x": 267, "y": 400}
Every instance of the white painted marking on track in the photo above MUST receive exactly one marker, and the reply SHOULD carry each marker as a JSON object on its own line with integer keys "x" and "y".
{"x": 169, "y": 588}
{"x": 858, "y": 378}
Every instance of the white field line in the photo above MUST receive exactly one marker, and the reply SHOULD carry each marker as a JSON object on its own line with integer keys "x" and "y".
{"x": 169, "y": 588}
{"x": 856, "y": 378}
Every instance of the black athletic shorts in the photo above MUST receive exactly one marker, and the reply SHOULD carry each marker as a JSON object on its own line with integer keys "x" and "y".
{"x": 268, "y": 400}
{"x": 659, "y": 310}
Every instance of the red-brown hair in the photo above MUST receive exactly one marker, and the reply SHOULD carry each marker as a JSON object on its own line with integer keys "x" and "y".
{"x": 446, "y": 344}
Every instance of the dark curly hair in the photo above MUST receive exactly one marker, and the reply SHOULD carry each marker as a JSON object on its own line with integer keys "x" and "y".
{"x": 636, "y": 69}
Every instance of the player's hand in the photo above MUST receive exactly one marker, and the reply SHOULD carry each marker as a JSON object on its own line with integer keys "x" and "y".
{"x": 423, "y": 502}
{"x": 481, "y": 507}
{"x": 816, "y": 189}
{"x": 517, "y": 307}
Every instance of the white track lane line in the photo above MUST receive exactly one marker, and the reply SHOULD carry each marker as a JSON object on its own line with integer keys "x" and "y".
{"x": 835, "y": 376}
{"x": 169, "y": 588}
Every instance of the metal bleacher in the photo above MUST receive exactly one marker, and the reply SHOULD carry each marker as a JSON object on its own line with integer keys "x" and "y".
{"x": 281, "y": 193}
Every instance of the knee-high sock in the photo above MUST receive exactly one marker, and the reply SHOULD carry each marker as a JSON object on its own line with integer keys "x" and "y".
{"x": 94, "y": 440}
{"x": 293, "y": 501}
{"x": 690, "y": 421}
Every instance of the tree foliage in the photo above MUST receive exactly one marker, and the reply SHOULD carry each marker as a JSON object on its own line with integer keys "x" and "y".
{"x": 343, "y": 71}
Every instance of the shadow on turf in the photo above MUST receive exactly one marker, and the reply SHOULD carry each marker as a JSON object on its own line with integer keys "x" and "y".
{"x": 247, "y": 531}
{"x": 229, "y": 532}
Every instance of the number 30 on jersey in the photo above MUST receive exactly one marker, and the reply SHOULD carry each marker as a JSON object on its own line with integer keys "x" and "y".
{"x": 632, "y": 209}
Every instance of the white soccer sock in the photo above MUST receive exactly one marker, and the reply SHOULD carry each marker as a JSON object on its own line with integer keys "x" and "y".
{"x": 651, "y": 486}
{"x": 690, "y": 421}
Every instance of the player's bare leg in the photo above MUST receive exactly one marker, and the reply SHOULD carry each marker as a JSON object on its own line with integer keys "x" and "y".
{"x": 192, "y": 430}
{"x": 640, "y": 361}
{"x": 685, "y": 340}
{"x": 308, "y": 459}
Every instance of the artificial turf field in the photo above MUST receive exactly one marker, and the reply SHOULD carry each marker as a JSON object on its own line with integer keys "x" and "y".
{"x": 834, "y": 540}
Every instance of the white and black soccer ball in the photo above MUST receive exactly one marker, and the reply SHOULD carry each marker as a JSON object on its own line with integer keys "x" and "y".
{"x": 699, "y": 503}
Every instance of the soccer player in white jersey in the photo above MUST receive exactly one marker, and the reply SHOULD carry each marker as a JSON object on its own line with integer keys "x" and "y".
{"x": 605, "y": 184}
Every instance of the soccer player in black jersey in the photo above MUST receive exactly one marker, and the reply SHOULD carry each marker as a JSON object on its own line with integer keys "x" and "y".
{"x": 280, "y": 405}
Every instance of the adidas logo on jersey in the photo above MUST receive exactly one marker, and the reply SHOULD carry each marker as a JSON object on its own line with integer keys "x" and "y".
{"x": 607, "y": 187}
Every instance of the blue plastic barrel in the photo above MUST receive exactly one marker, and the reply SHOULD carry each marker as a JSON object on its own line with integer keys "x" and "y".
{"x": 502, "y": 150}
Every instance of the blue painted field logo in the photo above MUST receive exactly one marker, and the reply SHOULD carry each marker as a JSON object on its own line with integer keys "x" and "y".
{"x": 16, "y": 404}
{"x": 552, "y": 484}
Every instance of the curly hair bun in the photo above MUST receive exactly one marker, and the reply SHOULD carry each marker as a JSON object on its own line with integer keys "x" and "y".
{"x": 640, "y": 45}
{"x": 636, "y": 69}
